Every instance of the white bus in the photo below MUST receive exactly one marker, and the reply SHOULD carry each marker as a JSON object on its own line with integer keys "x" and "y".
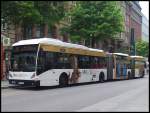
{"x": 48, "y": 62}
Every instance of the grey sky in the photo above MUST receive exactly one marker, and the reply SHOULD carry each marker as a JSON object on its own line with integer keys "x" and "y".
{"x": 145, "y": 8}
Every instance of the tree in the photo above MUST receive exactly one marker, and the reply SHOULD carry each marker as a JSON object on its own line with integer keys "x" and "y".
{"x": 95, "y": 20}
{"x": 52, "y": 12}
{"x": 24, "y": 13}
{"x": 142, "y": 48}
{"x": 19, "y": 13}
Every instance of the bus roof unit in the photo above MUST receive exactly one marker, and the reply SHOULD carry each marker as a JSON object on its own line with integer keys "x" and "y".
{"x": 121, "y": 54}
{"x": 50, "y": 44}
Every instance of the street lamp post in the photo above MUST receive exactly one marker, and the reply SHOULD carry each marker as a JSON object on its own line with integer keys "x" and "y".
{"x": 132, "y": 52}
{"x": 132, "y": 43}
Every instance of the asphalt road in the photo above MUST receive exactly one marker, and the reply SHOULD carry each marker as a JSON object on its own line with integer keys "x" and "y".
{"x": 125, "y": 95}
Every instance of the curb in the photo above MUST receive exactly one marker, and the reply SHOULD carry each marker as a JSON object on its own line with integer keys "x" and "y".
{"x": 4, "y": 84}
{"x": 5, "y": 87}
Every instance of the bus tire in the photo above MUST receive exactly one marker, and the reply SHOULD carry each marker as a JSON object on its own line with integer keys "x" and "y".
{"x": 63, "y": 80}
{"x": 129, "y": 75}
{"x": 101, "y": 77}
{"x": 142, "y": 74}
{"x": 37, "y": 85}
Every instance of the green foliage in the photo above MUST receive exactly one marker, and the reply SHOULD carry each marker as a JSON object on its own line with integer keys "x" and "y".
{"x": 95, "y": 19}
{"x": 18, "y": 12}
{"x": 51, "y": 11}
{"x": 30, "y": 12}
{"x": 142, "y": 48}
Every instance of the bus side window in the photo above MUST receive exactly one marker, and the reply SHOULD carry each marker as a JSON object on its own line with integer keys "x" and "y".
{"x": 62, "y": 61}
{"x": 67, "y": 64}
{"x": 87, "y": 62}
{"x": 95, "y": 62}
{"x": 102, "y": 62}
{"x": 83, "y": 62}
{"x": 41, "y": 62}
{"x": 92, "y": 62}
{"x": 49, "y": 60}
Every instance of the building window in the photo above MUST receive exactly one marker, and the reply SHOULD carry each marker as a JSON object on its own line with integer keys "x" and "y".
{"x": 28, "y": 32}
{"x": 39, "y": 31}
{"x": 127, "y": 19}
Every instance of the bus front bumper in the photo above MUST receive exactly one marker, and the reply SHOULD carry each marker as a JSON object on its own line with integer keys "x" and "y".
{"x": 24, "y": 82}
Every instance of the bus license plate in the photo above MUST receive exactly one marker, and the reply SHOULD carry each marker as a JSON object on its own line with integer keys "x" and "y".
{"x": 13, "y": 82}
{"x": 20, "y": 82}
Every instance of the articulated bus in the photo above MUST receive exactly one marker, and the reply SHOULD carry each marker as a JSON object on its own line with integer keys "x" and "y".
{"x": 118, "y": 66}
{"x": 50, "y": 62}
{"x": 139, "y": 66}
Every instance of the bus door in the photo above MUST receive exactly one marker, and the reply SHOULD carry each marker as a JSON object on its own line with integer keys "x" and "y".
{"x": 118, "y": 70}
{"x": 132, "y": 68}
{"x": 124, "y": 70}
{"x": 86, "y": 71}
{"x": 83, "y": 65}
{"x": 121, "y": 69}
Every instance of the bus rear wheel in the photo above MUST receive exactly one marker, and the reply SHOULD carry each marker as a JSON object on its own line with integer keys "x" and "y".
{"x": 129, "y": 75}
{"x": 63, "y": 80}
{"x": 101, "y": 77}
{"x": 142, "y": 74}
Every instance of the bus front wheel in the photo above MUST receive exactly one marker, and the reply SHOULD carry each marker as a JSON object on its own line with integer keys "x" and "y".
{"x": 63, "y": 80}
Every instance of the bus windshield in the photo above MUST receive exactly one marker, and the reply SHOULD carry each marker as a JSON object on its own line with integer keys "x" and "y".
{"x": 23, "y": 60}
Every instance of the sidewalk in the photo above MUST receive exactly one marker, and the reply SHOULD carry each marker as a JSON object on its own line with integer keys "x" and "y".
{"x": 4, "y": 84}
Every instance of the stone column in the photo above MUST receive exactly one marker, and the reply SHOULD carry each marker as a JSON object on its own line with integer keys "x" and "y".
{"x": 55, "y": 32}
{"x": 45, "y": 30}
{"x": 33, "y": 31}
{"x": 109, "y": 46}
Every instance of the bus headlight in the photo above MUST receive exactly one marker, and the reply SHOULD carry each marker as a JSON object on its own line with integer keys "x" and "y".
{"x": 10, "y": 75}
{"x": 33, "y": 75}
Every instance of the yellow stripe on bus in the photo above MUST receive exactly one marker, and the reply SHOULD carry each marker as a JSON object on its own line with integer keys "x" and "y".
{"x": 71, "y": 50}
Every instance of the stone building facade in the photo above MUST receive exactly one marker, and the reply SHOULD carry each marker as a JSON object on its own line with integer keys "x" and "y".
{"x": 131, "y": 11}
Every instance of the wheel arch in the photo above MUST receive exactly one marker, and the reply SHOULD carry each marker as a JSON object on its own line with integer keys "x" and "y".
{"x": 102, "y": 75}
{"x": 65, "y": 76}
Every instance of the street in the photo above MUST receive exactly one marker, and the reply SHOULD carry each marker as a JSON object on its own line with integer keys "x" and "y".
{"x": 125, "y": 95}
